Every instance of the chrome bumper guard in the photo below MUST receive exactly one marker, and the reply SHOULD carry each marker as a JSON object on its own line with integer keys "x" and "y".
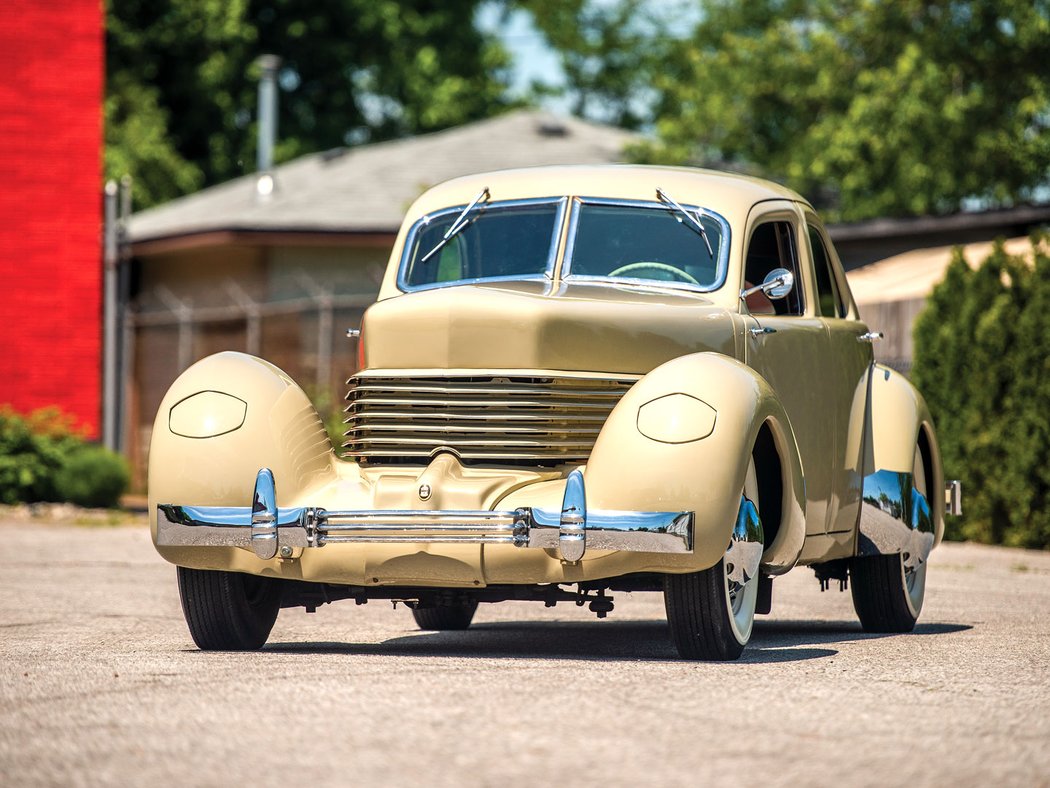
{"x": 268, "y": 530}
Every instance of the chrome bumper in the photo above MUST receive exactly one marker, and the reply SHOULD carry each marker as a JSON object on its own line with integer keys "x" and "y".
{"x": 268, "y": 530}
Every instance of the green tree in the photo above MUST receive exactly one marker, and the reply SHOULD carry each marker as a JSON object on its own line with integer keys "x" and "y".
{"x": 981, "y": 363}
{"x": 181, "y": 86}
{"x": 608, "y": 53}
{"x": 872, "y": 109}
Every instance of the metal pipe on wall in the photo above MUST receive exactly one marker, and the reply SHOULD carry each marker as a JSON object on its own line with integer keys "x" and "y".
{"x": 264, "y": 183}
{"x": 110, "y": 310}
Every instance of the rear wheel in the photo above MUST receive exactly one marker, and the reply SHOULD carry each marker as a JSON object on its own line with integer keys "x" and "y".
{"x": 444, "y": 617}
{"x": 888, "y": 590}
{"x": 711, "y": 613}
{"x": 228, "y": 611}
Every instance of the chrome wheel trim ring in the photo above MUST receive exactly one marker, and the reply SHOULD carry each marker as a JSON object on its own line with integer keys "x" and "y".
{"x": 914, "y": 580}
{"x": 740, "y": 604}
{"x": 741, "y": 583}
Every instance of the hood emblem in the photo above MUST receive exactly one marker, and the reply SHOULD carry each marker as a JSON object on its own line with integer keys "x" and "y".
{"x": 424, "y": 492}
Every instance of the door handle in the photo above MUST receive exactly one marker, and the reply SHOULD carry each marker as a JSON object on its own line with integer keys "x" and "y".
{"x": 757, "y": 332}
{"x": 871, "y": 336}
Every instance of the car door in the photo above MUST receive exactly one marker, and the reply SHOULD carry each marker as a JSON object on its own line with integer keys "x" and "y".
{"x": 786, "y": 342}
{"x": 850, "y": 357}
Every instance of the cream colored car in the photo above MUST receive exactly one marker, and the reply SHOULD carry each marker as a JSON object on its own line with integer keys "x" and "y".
{"x": 576, "y": 381}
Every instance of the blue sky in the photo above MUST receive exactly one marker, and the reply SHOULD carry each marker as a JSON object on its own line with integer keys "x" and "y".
{"x": 533, "y": 59}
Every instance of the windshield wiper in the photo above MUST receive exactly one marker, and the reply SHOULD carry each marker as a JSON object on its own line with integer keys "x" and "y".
{"x": 664, "y": 197}
{"x": 459, "y": 224}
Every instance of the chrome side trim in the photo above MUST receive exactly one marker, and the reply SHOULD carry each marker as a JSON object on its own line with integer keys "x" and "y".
{"x": 264, "y": 528}
{"x": 895, "y": 518}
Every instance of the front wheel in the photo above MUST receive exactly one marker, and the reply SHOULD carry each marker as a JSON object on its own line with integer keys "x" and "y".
{"x": 711, "y": 613}
{"x": 228, "y": 611}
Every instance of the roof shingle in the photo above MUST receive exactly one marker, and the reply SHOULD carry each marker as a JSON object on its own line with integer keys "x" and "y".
{"x": 367, "y": 189}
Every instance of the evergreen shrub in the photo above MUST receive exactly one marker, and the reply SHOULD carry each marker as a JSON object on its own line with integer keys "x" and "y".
{"x": 982, "y": 361}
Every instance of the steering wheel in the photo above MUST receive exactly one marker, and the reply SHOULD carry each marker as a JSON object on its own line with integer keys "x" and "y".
{"x": 654, "y": 266}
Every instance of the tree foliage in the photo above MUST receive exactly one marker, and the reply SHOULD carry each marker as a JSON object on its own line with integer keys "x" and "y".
{"x": 181, "y": 88}
{"x": 982, "y": 363}
{"x": 608, "y": 53}
{"x": 870, "y": 108}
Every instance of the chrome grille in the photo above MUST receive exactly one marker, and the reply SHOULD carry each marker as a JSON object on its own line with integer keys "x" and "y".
{"x": 502, "y": 418}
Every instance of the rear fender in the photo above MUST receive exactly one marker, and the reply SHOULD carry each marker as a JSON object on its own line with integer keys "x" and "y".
{"x": 897, "y": 421}
{"x": 678, "y": 471}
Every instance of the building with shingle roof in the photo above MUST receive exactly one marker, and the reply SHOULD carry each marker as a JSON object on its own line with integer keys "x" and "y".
{"x": 366, "y": 190}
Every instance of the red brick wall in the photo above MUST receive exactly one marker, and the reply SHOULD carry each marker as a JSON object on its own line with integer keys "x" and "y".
{"x": 51, "y": 73}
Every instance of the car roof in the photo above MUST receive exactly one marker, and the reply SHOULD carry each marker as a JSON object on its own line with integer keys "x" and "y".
{"x": 730, "y": 194}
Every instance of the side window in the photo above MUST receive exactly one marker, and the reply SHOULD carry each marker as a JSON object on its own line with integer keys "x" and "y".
{"x": 827, "y": 292}
{"x": 773, "y": 246}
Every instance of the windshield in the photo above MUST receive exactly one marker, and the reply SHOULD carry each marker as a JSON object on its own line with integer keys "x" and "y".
{"x": 645, "y": 242}
{"x": 637, "y": 242}
{"x": 497, "y": 241}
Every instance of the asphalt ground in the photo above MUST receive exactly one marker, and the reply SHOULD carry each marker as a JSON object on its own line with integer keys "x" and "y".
{"x": 100, "y": 684}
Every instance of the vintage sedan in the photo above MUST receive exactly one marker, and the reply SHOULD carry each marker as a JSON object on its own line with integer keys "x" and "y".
{"x": 575, "y": 381}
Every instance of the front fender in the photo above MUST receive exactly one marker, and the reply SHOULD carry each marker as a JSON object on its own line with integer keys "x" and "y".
{"x": 206, "y": 449}
{"x": 629, "y": 471}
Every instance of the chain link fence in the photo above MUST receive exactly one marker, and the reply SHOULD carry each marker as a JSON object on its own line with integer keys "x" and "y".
{"x": 304, "y": 336}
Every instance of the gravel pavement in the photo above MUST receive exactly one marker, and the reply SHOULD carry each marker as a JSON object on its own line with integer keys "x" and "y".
{"x": 100, "y": 684}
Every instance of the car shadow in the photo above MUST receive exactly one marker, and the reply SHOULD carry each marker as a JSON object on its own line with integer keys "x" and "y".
{"x": 813, "y": 632}
{"x": 629, "y": 641}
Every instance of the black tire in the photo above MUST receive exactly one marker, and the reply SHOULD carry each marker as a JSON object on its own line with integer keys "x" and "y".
{"x": 228, "y": 611}
{"x": 706, "y": 620}
{"x": 445, "y": 617}
{"x": 880, "y": 594}
{"x": 696, "y": 615}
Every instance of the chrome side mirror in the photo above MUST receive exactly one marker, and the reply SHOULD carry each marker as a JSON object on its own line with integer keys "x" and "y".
{"x": 776, "y": 285}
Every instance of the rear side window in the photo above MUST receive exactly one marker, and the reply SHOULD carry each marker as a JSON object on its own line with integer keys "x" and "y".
{"x": 772, "y": 246}
{"x": 830, "y": 302}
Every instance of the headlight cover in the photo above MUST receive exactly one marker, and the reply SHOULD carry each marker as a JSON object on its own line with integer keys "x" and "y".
{"x": 207, "y": 414}
{"x": 676, "y": 418}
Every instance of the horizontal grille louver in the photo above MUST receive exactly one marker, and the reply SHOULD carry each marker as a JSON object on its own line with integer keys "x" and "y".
{"x": 532, "y": 420}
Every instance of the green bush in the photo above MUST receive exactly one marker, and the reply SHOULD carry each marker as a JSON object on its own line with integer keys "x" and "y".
{"x": 92, "y": 476}
{"x": 44, "y": 457}
{"x": 982, "y": 360}
{"x": 32, "y": 449}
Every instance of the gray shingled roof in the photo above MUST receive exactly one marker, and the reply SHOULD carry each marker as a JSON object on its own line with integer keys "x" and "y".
{"x": 367, "y": 189}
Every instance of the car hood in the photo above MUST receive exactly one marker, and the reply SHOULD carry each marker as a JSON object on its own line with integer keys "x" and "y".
{"x": 537, "y": 325}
